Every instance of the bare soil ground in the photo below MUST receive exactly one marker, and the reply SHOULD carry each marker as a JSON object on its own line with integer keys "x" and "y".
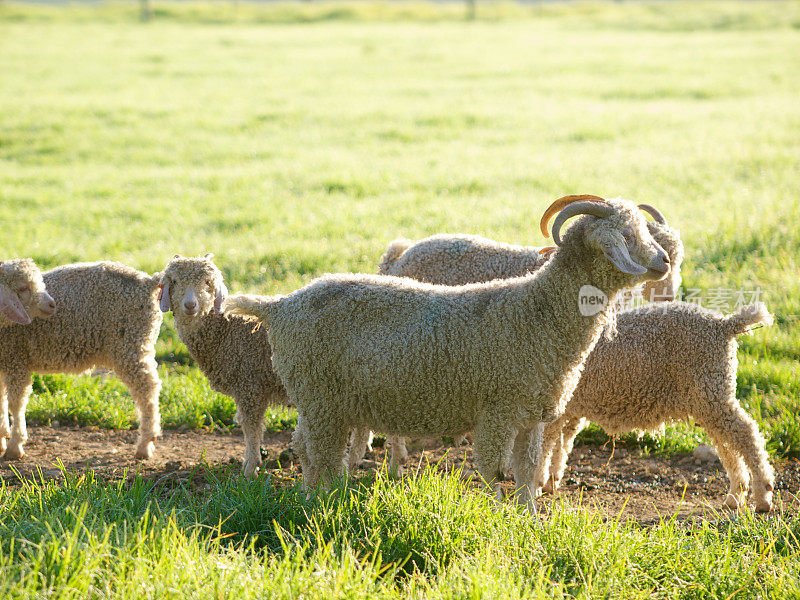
{"x": 624, "y": 485}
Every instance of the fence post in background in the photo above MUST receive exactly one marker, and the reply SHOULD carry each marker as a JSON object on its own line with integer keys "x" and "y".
{"x": 147, "y": 10}
{"x": 471, "y": 10}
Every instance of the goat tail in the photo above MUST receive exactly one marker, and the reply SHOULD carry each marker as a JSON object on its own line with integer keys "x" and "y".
{"x": 260, "y": 307}
{"x": 746, "y": 317}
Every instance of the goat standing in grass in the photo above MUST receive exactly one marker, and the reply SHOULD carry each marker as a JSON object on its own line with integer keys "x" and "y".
{"x": 499, "y": 358}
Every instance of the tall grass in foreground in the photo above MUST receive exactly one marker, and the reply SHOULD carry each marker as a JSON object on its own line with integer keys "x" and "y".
{"x": 427, "y": 537}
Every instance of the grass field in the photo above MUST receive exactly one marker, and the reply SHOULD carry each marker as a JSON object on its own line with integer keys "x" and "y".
{"x": 293, "y": 140}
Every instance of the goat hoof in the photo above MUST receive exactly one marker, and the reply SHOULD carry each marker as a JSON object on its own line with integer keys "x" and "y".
{"x": 145, "y": 450}
{"x": 550, "y": 487}
{"x": 764, "y": 503}
{"x": 14, "y": 452}
{"x": 3, "y": 445}
{"x": 732, "y": 502}
{"x": 250, "y": 471}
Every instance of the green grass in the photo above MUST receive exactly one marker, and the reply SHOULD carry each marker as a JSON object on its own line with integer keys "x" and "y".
{"x": 296, "y": 139}
{"x": 290, "y": 150}
{"x": 186, "y": 399}
{"x": 424, "y": 538}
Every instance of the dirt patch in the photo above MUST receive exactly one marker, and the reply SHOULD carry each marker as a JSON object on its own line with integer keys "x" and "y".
{"x": 625, "y": 485}
{"x": 110, "y": 452}
{"x": 628, "y": 485}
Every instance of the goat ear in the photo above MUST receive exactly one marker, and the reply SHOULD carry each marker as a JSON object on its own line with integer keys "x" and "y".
{"x": 163, "y": 297}
{"x": 618, "y": 254}
{"x": 11, "y": 307}
{"x": 220, "y": 293}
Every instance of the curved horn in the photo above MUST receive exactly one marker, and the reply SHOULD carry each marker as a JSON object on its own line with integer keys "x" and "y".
{"x": 573, "y": 210}
{"x": 547, "y": 251}
{"x": 657, "y": 215}
{"x": 559, "y": 205}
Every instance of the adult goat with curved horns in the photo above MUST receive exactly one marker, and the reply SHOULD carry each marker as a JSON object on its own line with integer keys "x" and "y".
{"x": 500, "y": 358}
